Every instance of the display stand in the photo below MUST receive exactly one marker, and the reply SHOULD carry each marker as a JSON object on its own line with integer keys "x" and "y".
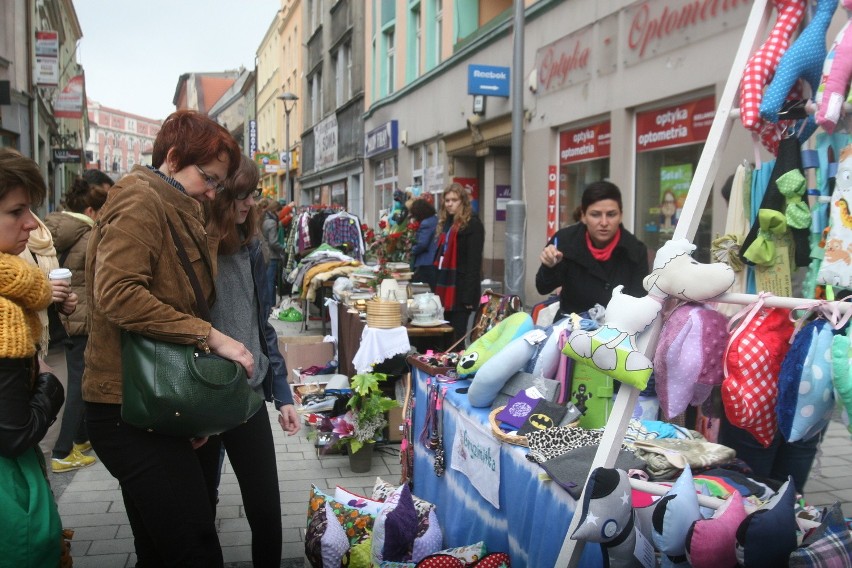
{"x": 696, "y": 200}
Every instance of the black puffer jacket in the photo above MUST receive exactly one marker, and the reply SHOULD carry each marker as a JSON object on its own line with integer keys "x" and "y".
{"x": 586, "y": 281}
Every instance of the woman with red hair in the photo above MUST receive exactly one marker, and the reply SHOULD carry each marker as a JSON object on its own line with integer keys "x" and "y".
{"x": 135, "y": 281}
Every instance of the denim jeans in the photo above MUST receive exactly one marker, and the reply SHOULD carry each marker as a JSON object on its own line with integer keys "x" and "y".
{"x": 73, "y": 430}
{"x": 163, "y": 489}
{"x": 251, "y": 451}
{"x": 779, "y": 460}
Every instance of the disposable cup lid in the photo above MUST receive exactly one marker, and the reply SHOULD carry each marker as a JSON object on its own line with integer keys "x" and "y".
{"x": 60, "y": 274}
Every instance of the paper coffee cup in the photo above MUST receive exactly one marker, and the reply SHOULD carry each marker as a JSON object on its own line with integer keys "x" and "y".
{"x": 60, "y": 274}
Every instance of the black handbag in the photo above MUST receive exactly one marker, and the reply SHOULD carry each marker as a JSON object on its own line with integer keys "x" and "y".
{"x": 177, "y": 390}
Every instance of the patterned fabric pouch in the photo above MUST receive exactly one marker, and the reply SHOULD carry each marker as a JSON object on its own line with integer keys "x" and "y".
{"x": 752, "y": 362}
{"x": 493, "y": 309}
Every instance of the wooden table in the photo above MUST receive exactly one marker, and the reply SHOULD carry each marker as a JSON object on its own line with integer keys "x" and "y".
{"x": 351, "y": 326}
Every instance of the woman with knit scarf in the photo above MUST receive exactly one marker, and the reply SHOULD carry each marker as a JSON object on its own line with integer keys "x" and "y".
{"x": 30, "y": 395}
{"x": 461, "y": 238}
{"x": 588, "y": 259}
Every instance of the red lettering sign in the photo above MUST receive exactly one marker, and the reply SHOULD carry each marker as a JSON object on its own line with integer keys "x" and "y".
{"x": 647, "y": 28}
{"x": 556, "y": 66}
{"x": 677, "y": 125}
{"x": 565, "y": 61}
{"x": 552, "y": 225}
{"x": 583, "y": 144}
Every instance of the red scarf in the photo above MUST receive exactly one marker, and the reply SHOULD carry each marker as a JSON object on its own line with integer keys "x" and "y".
{"x": 447, "y": 263}
{"x": 603, "y": 254}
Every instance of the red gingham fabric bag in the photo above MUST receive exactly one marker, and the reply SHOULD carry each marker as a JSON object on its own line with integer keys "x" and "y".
{"x": 751, "y": 366}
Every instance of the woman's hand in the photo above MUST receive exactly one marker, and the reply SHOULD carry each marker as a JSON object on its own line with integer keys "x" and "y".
{"x": 289, "y": 419}
{"x": 550, "y": 256}
{"x": 69, "y": 305}
{"x": 64, "y": 298}
{"x": 231, "y": 349}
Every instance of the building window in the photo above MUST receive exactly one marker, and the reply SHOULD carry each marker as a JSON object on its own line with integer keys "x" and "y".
{"x": 348, "y": 59}
{"x": 390, "y": 53}
{"x": 415, "y": 39}
{"x": 439, "y": 24}
{"x": 316, "y": 94}
{"x": 385, "y": 182}
{"x": 342, "y": 63}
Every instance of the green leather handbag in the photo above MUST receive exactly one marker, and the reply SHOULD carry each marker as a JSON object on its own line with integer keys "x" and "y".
{"x": 174, "y": 389}
{"x": 177, "y": 390}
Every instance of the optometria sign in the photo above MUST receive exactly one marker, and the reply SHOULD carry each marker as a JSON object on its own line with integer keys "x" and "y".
{"x": 686, "y": 123}
{"x": 587, "y": 143}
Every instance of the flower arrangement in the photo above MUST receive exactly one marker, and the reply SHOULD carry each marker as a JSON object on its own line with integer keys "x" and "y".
{"x": 393, "y": 242}
{"x": 365, "y": 418}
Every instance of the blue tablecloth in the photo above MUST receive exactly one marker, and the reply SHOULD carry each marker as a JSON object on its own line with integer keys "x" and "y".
{"x": 533, "y": 516}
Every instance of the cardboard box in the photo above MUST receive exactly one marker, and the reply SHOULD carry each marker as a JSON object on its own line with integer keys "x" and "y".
{"x": 395, "y": 425}
{"x": 302, "y": 351}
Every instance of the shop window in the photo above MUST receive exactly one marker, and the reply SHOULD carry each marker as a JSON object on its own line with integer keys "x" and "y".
{"x": 385, "y": 181}
{"x": 583, "y": 159}
{"x": 669, "y": 144}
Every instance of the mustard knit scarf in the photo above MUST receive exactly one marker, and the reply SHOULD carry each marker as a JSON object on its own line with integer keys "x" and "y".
{"x": 24, "y": 290}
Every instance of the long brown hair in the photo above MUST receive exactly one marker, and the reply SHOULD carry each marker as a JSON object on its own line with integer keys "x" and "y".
{"x": 222, "y": 216}
{"x": 462, "y": 218}
{"x": 83, "y": 195}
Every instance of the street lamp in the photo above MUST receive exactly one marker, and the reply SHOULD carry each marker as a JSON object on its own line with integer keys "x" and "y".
{"x": 289, "y": 100}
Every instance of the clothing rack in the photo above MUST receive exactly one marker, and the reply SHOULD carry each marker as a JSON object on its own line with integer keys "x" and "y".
{"x": 314, "y": 208}
{"x": 754, "y": 33}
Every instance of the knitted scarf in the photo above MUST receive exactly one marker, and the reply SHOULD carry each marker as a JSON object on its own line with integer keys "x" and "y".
{"x": 40, "y": 253}
{"x": 447, "y": 263}
{"x": 24, "y": 290}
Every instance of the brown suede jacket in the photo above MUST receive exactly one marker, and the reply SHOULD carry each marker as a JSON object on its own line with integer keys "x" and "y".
{"x": 134, "y": 278}
{"x": 71, "y": 238}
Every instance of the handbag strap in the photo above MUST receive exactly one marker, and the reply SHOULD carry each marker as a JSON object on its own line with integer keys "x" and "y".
{"x": 201, "y": 302}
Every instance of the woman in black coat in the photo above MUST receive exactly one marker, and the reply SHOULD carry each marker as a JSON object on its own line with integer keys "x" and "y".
{"x": 461, "y": 238}
{"x": 592, "y": 257}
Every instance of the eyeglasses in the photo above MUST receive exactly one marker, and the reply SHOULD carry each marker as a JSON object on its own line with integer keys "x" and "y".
{"x": 212, "y": 183}
{"x": 253, "y": 193}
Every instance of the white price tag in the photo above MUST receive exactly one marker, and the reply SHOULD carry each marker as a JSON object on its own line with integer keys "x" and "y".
{"x": 644, "y": 551}
{"x": 535, "y": 336}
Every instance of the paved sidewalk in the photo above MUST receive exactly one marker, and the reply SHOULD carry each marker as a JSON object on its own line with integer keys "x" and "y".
{"x": 91, "y": 503}
{"x": 831, "y": 476}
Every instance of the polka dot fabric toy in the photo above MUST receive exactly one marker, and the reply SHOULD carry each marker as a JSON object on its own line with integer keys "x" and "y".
{"x": 760, "y": 70}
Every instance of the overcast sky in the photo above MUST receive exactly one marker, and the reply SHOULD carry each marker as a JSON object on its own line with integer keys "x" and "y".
{"x": 134, "y": 52}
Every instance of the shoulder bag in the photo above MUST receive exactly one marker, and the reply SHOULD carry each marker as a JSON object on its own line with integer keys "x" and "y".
{"x": 174, "y": 389}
